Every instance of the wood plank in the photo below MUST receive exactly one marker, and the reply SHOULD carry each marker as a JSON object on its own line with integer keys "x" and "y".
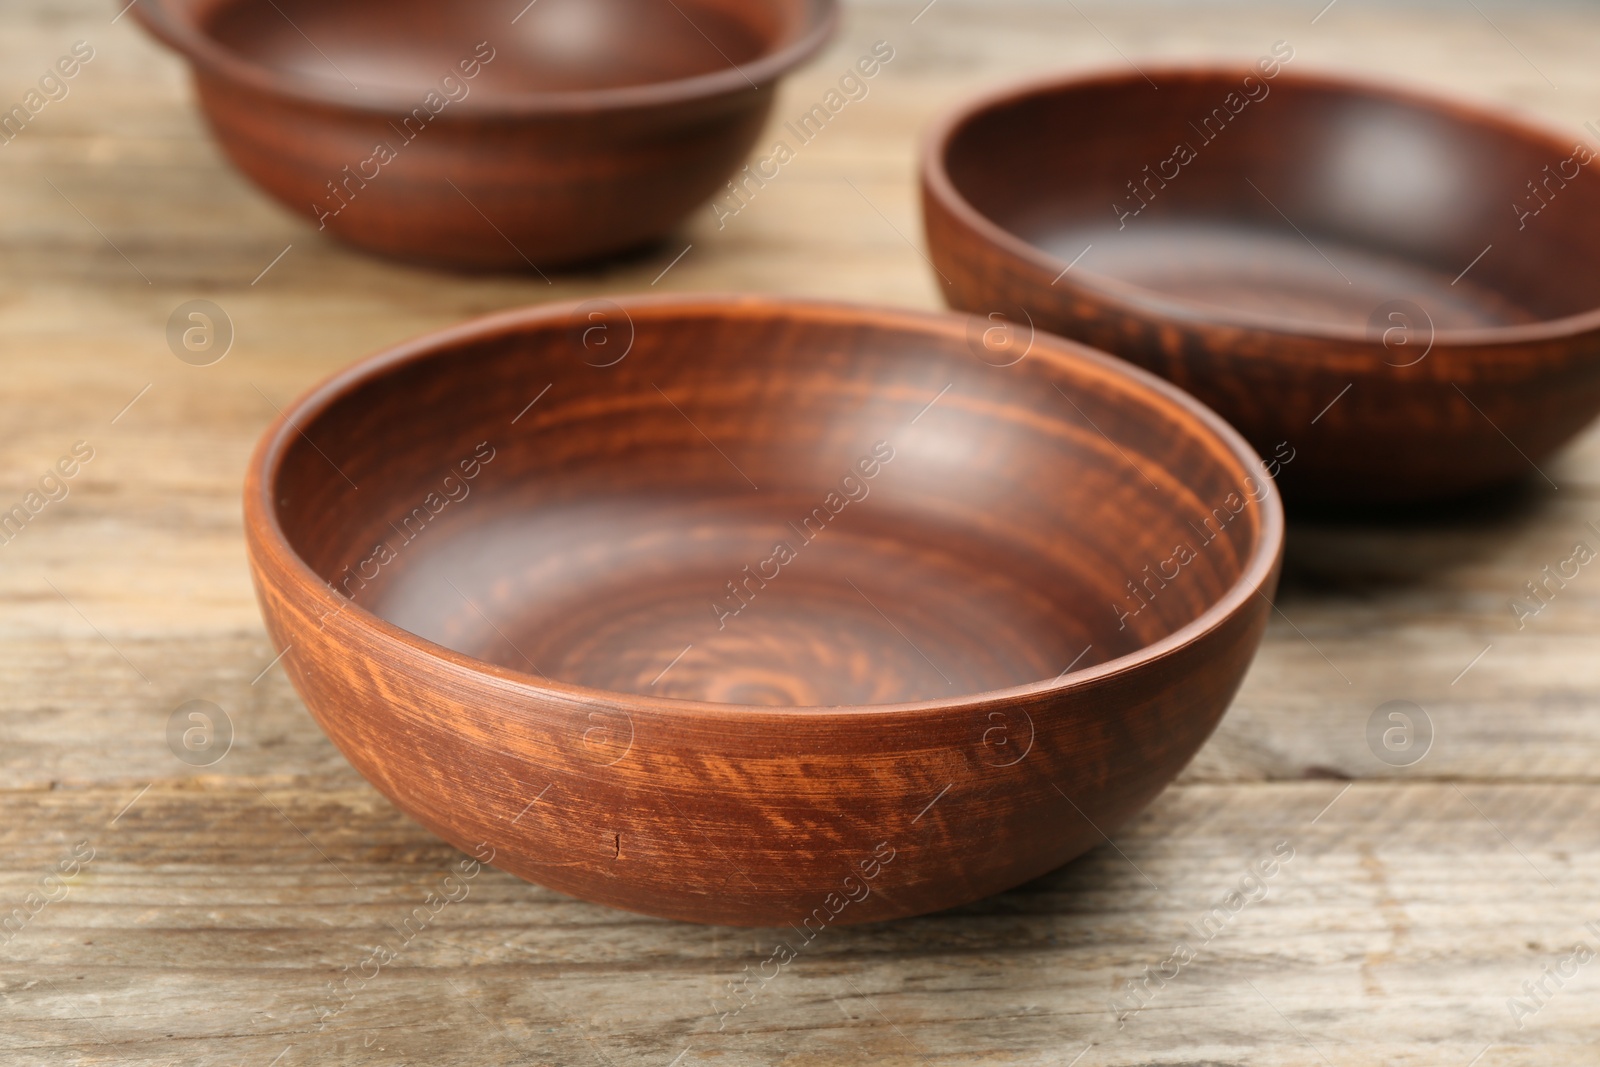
{"x": 245, "y": 896}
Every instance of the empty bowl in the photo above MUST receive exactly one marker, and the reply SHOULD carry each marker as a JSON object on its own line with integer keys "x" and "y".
{"x": 490, "y": 134}
{"x": 755, "y": 611}
{"x": 1393, "y": 297}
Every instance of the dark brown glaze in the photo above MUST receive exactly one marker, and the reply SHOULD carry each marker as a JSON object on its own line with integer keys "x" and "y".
{"x": 1310, "y": 267}
{"x": 492, "y": 134}
{"x": 509, "y": 566}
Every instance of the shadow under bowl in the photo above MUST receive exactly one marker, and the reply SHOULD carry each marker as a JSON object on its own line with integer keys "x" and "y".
{"x": 490, "y": 134}
{"x": 1393, "y": 297}
{"x": 732, "y": 609}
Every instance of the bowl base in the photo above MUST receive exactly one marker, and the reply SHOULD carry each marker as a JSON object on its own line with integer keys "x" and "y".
{"x": 1279, "y": 273}
{"x": 410, "y": 46}
{"x": 714, "y": 600}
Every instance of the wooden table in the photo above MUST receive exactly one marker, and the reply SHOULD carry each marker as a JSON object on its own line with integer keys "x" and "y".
{"x": 206, "y": 910}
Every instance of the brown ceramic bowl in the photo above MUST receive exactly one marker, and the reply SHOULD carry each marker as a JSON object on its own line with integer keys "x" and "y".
{"x": 1361, "y": 279}
{"x": 490, "y": 134}
{"x": 972, "y": 620}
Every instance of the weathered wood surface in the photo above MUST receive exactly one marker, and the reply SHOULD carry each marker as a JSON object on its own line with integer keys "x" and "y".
{"x": 221, "y": 903}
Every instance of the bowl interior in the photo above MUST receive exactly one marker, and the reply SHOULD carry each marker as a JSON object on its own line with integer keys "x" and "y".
{"x": 1292, "y": 196}
{"x": 545, "y": 46}
{"x": 758, "y": 504}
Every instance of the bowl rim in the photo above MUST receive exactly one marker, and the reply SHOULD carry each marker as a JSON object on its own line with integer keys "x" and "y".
{"x": 205, "y": 53}
{"x": 265, "y": 534}
{"x": 1129, "y": 298}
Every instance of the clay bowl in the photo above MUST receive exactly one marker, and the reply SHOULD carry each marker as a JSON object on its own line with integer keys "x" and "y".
{"x": 490, "y": 134}
{"x": 973, "y": 618}
{"x": 1361, "y": 279}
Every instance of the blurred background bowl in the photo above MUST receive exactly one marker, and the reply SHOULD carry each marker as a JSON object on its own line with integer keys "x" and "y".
{"x": 1394, "y": 297}
{"x": 974, "y": 617}
{"x": 490, "y": 134}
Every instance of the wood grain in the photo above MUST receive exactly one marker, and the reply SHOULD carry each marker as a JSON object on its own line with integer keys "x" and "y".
{"x": 1395, "y": 936}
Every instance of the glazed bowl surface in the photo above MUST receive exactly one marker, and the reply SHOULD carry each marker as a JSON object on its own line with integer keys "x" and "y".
{"x": 1395, "y": 297}
{"x": 490, "y": 134}
{"x": 731, "y": 609}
